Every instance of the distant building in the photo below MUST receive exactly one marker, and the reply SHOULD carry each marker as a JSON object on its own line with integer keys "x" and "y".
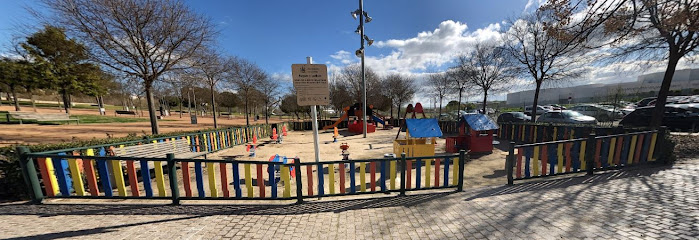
{"x": 685, "y": 81}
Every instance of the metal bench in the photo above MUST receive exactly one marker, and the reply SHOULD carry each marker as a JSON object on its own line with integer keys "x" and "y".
{"x": 125, "y": 112}
{"x": 180, "y": 147}
{"x": 41, "y": 117}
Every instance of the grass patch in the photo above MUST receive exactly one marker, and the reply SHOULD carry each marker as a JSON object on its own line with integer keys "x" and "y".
{"x": 87, "y": 119}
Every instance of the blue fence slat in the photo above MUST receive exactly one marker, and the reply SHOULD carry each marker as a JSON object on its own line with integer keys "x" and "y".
{"x": 418, "y": 173}
{"x": 145, "y": 174}
{"x": 272, "y": 181}
{"x": 200, "y": 179}
{"x": 446, "y": 171}
{"x": 646, "y": 147}
{"x": 527, "y": 161}
{"x": 321, "y": 186}
{"x": 103, "y": 171}
{"x": 383, "y": 175}
{"x": 605, "y": 152}
{"x": 352, "y": 181}
{"x": 236, "y": 180}
{"x": 552, "y": 154}
{"x": 64, "y": 181}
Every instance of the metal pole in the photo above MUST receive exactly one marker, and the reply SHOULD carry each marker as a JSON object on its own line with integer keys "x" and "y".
{"x": 309, "y": 60}
{"x": 361, "y": 36}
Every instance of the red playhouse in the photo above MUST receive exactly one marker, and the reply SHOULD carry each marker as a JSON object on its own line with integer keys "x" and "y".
{"x": 475, "y": 134}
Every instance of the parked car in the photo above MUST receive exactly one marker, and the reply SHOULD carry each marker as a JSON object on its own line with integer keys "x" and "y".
{"x": 513, "y": 117}
{"x": 599, "y": 112}
{"x": 539, "y": 110}
{"x": 566, "y": 116}
{"x": 644, "y": 102}
{"x": 677, "y": 117}
{"x": 558, "y": 107}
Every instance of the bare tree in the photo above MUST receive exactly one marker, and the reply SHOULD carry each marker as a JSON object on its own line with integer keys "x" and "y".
{"x": 460, "y": 76}
{"x": 244, "y": 78}
{"x": 214, "y": 68}
{"x": 398, "y": 89}
{"x": 545, "y": 58}
{"x": 269, "y": 89}
{"x": 492, "y": 69}
{"x": 440, "y": 86}
{"x": 351, "y": 78}
{"x": 141, "y": 38}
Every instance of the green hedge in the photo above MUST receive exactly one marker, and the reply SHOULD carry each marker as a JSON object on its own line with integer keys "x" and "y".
{"x": 12, "y": 185}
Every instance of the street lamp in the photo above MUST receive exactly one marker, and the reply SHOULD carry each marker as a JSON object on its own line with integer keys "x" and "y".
{"x": 363, "y": 18}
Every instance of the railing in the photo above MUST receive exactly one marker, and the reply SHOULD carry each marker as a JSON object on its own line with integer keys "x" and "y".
{"x": 538, "y": 132}
{"x": 100, "y": 176}
{"x": 589, "y": 154}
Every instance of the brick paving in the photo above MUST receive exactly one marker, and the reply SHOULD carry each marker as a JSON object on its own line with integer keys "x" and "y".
{"x": 646, "y": 203}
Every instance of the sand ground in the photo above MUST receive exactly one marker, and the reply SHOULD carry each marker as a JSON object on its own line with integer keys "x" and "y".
{"x": 35, "y": 134}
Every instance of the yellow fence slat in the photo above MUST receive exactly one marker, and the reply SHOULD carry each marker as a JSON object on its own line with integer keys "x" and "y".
{"x": 248, "y": 179}
{"x": 428, "y": 171}
{"x": 331, "y": 178}
{"x": 287, "y": 184}
{"x": 118, "y": 173}
{"x": 211, "y": 172}
{"x": 455, "y": 171}
{"x": 632, "y": 149}
{"x": 559, "y": 166}
{"x": 652, "y": 147}
{"x": 160, "y": 178}
{"x": 76, "y": 176}
{"x": 52, "y": 176}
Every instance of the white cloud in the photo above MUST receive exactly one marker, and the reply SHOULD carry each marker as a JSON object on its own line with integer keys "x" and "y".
{"x": 533, "y": 4}
{"x": 343, "y": 56}
{"x": 282, "y": 76}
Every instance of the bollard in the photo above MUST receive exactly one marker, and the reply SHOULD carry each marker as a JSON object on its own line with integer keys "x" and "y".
{"x": 402, "y": 174}
{"x": 299, "y": 184}
{"x": 589, "y": 152}
{"x": 509, "y": 164}
{"x": 172, "y": 172}
{"x": 462, "y": 161}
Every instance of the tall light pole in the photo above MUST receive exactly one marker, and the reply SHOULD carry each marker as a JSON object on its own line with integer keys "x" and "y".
{"x": 363, "y": 16}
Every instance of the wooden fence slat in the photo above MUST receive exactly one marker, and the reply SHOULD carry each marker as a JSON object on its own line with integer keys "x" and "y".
{"x": 236, "y": 180}
{"x": 224, "y": 180}
{"x": 260, "y": 180}
{"x": 341, "y": 167}
{"x": 103, "y": 171}
{"x": 331, "y": 178}
{"x": 352, "y": 178}
{"x": 309, "y": 177}
{"x": 199, "y": 177}
{"x": 47, "y": 176}
{"x": 186, "y": 178}
{"x": 285, "y": 179}
{"x": 248, "y": 179}
{"x": 76, "y": 176}
{"x": 362, "y": 177}
{"x": 89, "y": 168}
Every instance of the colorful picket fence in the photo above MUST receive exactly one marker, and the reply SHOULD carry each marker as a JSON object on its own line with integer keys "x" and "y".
{"x": 581, "y": 155}
{"x": 95, "y": 171}
{"x": 95, "y": 174}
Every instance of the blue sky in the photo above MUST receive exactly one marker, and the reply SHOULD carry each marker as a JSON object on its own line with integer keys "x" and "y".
{"x": 414, "y": 37}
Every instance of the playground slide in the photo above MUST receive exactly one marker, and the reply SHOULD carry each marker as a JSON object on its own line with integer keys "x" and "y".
{"x": 336, "y": 123}
{"x": 378, "y": 120}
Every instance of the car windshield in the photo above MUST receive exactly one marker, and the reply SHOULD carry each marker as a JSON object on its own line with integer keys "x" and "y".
{"x": 517, "y": 114}
{"x": 572, "y": 114}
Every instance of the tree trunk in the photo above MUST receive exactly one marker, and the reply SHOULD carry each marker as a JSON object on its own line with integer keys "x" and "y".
{"x": 180, "y": 105}
{"x": 266, "y": 113}
{"x": 458, "y": 111}
{"x": 536, "y": 100}
{"x": 391, "y": 111}
{"x": 16, "y": 99}
{"x": 440, "y": 107}
{"x": 659, "y": 110}
{"x": 213, "y": 106}
{"x": 66, "y": 101}
{"x": 485, "y": 99}
{"x": 31, "y": 96}
{"x": 151, "y": 110}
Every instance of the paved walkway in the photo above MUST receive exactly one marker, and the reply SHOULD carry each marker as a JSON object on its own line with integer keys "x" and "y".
{"x": 648, "y": 203}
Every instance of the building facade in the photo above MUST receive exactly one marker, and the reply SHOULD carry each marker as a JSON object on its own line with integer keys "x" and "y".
{"x": 685, "y": 81}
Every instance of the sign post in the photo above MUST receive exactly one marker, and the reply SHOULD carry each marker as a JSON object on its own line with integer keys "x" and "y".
{"x": 311, "y": 84}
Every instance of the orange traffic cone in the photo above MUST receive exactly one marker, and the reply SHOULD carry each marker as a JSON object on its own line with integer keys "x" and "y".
{"x": 335, "y": 134}
{"x": 284, "y": 130}
{"x": 254, "y": 139}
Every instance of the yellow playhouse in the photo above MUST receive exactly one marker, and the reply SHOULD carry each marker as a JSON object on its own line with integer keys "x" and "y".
{"x": 420, "y": 138}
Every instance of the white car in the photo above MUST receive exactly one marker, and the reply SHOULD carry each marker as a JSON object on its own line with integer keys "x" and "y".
{"x": 539, "y": 110}
{"x": 599, "y": 112}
